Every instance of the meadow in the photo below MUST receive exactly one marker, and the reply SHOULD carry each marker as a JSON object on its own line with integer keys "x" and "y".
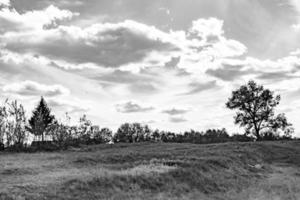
{"x": 259, "y": 170}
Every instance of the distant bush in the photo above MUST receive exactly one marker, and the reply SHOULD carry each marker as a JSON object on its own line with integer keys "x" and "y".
{"x": 134, "y": 132}
{"x": 241, "y": 138}
{"x": 102, "y": 136}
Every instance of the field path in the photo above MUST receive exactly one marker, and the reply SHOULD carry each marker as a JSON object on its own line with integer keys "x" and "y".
{"x": 282, "y": 184}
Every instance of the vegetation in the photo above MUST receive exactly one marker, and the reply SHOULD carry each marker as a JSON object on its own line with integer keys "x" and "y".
{"x": 235, "y": 171}
{"x": 41, "y": 119}
{"x": 12, "y": 125}
{"x": 255, "y": 106}
{"x": 146, "y": 163}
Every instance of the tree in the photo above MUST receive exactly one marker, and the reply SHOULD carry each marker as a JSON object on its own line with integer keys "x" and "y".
{"x": 12, "y": 124}
{"x": 134, "y": 132}
{"x": 17, "y": 113}
{"x": 41, "y": 119}
{"x": 255, "y": 106}
{"x": 85, "y": 130}
{"x": 102, "y": 136}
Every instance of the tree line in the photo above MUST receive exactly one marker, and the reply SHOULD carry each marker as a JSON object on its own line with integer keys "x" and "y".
{"x": 255, "y": 107}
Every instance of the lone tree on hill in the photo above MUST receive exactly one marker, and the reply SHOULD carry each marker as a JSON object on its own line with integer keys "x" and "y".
{"x": 41, "y": 119}
{"x": 255, "y": 106}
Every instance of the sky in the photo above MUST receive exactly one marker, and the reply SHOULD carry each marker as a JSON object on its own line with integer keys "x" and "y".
{"x": 169, "y": 63}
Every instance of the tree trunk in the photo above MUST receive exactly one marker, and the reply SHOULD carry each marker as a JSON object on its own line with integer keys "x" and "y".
{"x": 257, "y": 132}
{"x": 43, "y": 137}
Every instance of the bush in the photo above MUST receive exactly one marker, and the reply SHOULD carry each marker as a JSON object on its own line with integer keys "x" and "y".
{"x": 2, "y": 146}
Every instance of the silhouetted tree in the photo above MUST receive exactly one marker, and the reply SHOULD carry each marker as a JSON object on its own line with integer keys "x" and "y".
{"x": 41, "y": 119}
{"x": 255, "y": 106}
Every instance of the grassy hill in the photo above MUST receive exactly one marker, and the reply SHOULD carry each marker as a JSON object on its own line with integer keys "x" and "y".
{"x": 262, "y": 170}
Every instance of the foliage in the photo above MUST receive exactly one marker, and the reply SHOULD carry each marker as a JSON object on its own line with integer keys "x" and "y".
{"x": 12, "y": 125}
{"x": 102, "y": 136}
{"x": 41, "y": 119}
{"x": 255, "y": 106}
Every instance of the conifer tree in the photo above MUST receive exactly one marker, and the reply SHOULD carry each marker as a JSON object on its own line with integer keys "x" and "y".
{"x": 41, "y": 119}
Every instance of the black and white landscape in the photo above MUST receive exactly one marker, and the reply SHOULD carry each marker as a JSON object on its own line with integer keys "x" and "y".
{"x": 160, "y": 99}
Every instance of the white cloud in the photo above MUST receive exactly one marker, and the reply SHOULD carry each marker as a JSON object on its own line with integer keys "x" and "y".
{"x": 5, "y": 2}
{"x": 31, "y": 88}
{"x": 12, "y": 20}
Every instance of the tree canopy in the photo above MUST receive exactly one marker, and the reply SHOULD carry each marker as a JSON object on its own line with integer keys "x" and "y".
{"x": 255, "y": 106}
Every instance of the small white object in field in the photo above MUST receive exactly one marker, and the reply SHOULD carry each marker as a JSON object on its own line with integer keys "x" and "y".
{"x": 110, "y": 142}
{"x": 258, "y": 166}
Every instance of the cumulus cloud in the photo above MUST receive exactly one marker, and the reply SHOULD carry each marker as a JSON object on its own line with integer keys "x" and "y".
{"x": 12, "y": 20}
{"x": 128, "y": 44}
{"x": 31, "y": 88}
{"x": 108, "y": 45}
{"x": 132, "y": 107}
{"x": 208, "y": 37}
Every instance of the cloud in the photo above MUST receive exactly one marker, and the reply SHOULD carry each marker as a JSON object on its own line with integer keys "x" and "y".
{"x": 197, "y": 87}
{"x": 230, "y": 72}
{"x": 208, "y": 37}
{"x": 68, "y": 106}
{"x": 296, "y": 6}
{"x": 37, "y": 20}
{"x": 4, "y": 3}
{"x": 177, "y": 119}
{"x": 175, "y": 111}
{"x": 277, "y": 76}
{"x": 132, "y": 107}
{"x": 31, "y": 88}
{"x": 143, "y": 88}
{"x": 107, "y": 44}
{"x": 120, "y": 76}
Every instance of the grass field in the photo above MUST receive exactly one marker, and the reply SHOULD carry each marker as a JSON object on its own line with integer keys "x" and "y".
{"x": 267, "y": 170}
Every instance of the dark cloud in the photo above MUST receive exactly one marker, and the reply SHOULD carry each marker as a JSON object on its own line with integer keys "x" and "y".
{"x": 175, "y": 111}
{"x": 131, "y": 107}
{"x": 108, "y": 45}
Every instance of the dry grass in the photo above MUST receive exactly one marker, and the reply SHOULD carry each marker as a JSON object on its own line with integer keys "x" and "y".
{"x": 251, "y": 171}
